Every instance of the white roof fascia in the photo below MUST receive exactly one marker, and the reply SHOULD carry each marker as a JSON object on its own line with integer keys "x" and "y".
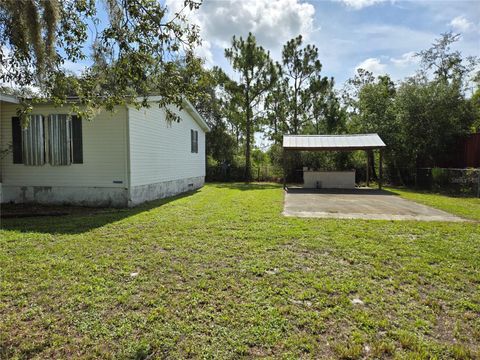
{"x": 9, "y": 99}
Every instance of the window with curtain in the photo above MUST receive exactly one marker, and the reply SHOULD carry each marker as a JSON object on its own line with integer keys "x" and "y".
{"x": 59, "y": 139}
{"x": 56, "y": 139}
{"x": 196, "y": 141}
{"x": 33, "y": 143}
{"x": 193, "y": 141}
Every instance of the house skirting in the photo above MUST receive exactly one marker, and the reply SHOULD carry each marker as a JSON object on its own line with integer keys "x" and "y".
{"x": 97, "y": 196}
{"x": 66, "y": 195}
{"x": 149, "y": 192}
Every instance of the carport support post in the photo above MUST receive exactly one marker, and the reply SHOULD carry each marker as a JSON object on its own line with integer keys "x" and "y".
{"x": 368, "y": 169}
{"x": 284, "y": 155}
{"x": 380, "y": 170}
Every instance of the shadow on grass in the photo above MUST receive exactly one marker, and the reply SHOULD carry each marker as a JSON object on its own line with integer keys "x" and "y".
{"x": 78, "y": 221}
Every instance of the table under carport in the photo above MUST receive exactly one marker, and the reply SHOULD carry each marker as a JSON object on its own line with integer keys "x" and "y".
{"x": 334, "y": 179}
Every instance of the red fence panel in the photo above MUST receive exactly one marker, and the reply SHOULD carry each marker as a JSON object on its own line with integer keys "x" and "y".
{"x": 471, "y": 146}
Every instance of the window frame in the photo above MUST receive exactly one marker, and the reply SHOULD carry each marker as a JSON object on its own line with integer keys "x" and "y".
{"x": 193, "y": 141}
{"x": 37, "y": 151}
{"x": 196, "y": 141}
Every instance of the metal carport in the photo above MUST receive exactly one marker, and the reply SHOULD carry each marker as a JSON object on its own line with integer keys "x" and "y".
{"x": 336, "y": 143}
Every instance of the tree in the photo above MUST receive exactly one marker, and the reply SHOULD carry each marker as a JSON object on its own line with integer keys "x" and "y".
{"x": 134, "y": 54}
{"x": 422, "y": 117}
{"x": 208, "y": 100}
{"x": 301, "y": 73}
{"x": 432, "y": 116}
{"x": 257, "y": 76}
{"x": 434, "y": 112}
{"x": 328, "y": 114}
{"x": 372, "y": 111}
{"x": 475, "y": 103}
{"x": 446, "y": 64}
{"x": 352, "y": 88}
{"x": 276, "y": 106}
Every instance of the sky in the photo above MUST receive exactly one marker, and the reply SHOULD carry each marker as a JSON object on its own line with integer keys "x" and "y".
{"x": 381, "y": 36}
{"x": 378, "y": 35}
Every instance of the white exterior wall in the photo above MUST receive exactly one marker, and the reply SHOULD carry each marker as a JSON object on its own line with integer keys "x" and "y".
{"x": 329, "y": 179}
{"x": 161, "y": 151}
{"x": 129, "y": 156}
{"x": 104, "y": 163}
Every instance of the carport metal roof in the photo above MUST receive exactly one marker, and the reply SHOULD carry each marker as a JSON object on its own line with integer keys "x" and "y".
{"x": 332, "y": 142}
{"x": 335, "y": 143}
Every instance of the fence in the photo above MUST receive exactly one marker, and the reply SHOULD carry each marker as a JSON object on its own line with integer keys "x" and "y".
{"x": 447, "y": 180}
{"x": 450, "y": 180}
{"x": 466, "y": 153}
{"x": 237, "y": 173}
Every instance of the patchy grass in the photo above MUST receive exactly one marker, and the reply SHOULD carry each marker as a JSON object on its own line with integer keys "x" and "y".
{"x": 221, "y": 273}
{"x": 468, "y": 207}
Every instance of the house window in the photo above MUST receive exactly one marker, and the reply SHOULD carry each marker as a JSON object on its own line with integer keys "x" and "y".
{"x": 59, "y": 139}
{"x": 56, "y": 139}
{"x": 33, "y": 143}
{"x": 194, "y": 141}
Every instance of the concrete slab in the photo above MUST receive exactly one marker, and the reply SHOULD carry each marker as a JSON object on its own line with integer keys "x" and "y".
{"x": 366, "y": 204}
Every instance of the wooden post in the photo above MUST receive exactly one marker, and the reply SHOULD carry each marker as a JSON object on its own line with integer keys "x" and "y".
{"x": 380, "y": 170}
{"x": 284, "y": 155}
{"x": 368, "y": 169}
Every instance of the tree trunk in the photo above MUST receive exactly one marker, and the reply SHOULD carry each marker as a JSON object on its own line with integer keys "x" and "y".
{"x": 248, "y": 125}
{"x": 295, "y": 115}
{"x": 248, "y": 165}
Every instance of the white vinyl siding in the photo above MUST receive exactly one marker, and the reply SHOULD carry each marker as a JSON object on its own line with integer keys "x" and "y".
{"x": 161, "y": 150}
{"x": 104, "y": 152}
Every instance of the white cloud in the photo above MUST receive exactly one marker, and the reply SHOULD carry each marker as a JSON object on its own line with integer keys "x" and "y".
{"x": 397, "y": 68}
{"x": 360, "y": 4}
{"x": 272, "y": 22}
{"x": 405, "y": 60}
{"x": 373, "y": 65}
{"x": 462, "y": 24}
{"x": 392, "y": 38}
{"x": 204, "y": 52}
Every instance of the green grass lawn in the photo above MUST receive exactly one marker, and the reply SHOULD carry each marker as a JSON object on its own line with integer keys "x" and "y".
{"x": 465, "y": 207}
{"x": 222, "y": 274}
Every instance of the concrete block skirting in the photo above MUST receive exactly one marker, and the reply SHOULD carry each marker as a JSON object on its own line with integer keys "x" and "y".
{"x": 98, "y": 196}
{"x": 149, "y": 192}
{"x": 66, "y": 195}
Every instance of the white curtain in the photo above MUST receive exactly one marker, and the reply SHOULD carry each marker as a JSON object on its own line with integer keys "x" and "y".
{"x": 33, "y": 143}
{"x": 59, "y": 134}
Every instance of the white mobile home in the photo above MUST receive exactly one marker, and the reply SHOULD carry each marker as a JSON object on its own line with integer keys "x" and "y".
{"x": 120, "y": 158}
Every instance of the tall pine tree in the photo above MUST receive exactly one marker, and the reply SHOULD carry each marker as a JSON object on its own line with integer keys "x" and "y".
{"x": 257, "y": 76}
